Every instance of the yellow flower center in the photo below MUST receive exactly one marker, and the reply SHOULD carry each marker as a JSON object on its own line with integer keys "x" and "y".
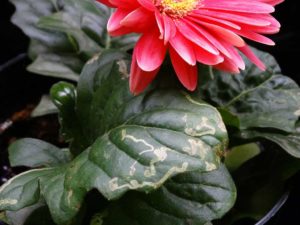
{"x": 176, "y": 8}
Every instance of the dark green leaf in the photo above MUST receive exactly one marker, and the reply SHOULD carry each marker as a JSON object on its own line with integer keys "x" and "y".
{"x": 190, "y": 198}
{"x": 256, "y": 105}
{"x": 58, "y": 66}
{"x": 3, "y": 217}
{"x": 35, "y": 153}
{"x": 19, "y": 217}
{"x": 288, "y": 141}
{"x": 40, "y": 216}
{"x": 137, "y": 130}
{"x": 72, "y": 22}
{"x": 64, "y": 97}
{"x": 45, "y": 107}
{"x": 133, "y": 142}
{"x": 254, "y": 99}
{"x": 64, "y": 34}
{"x": 22, "y": 190}
{"x": 27, "y": 16}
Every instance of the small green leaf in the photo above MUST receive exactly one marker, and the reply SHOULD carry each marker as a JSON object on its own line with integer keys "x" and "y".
{"x": 64, "y": 97}
{"x": 240, "y": 154}
{"x": 3, "y": 217}
{"x": 45, "y": 107}
{"x": 56, "y": 66}
{"x": 189, "y": 198}
{"x": 289, "y": 142}
{"x": 19, "y": 217}
{"x": 22, "y": 190}
{"x": 40, "y": 216}
{"x": 35, "y": 153}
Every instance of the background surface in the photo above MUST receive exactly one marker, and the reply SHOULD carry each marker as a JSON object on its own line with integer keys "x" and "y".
{"x": 18, "y": 88}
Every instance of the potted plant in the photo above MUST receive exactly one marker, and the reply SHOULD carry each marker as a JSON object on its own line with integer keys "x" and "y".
{"x": 139, "y": 145}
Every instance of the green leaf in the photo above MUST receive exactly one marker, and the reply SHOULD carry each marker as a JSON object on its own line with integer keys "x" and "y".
{"x": 64, "y": 34}
{"x": 70, "y": 23}
{"x": 256, "y": 98}
{"x": 19, "y": 217}
{"x": 35, "y": 153}
{"x": 255, "y": 103}
{"x": 58, "y": 66}
{"x": 64, "y": 97}
{"x": 39, "y": 216}
{"x": 45, "y": 107}
{"x": 189, "y": 198}
{"x": 238, "y": 155}
{"x": 289, "y": 142}
{"x": 137, "y": 130}
{"x": 131, "y": 142}
{"x": 3, "y": 217}
{"x": 28, "y": 14}
{"x": 22, "y": 190}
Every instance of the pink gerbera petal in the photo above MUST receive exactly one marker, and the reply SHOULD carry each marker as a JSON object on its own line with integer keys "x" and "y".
{"x": 186, "y": 73}
{"x": 139, "y": 79}
{"x": 150, "y": 51}
{"x": 184, "y": 48}
{"x": 138, "y": 20}
{"x": 114, "y": 26}
{"x": 252, "y": 57}
{"x": 211, "y": 32}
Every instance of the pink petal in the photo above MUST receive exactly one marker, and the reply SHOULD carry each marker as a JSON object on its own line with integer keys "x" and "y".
{"x": 225, "y": 34}
{"x": 211, "y": 38}
{"x": 200, "y": 17}
{"x": 228, "y": 66}
{"x": 128, "y": 4}
{"x": 114, "y": 26}
{"x": 247, "y": 6}
{"x": 150, "y": 51}
{"x": 235, "y": 56}
{"x": 187, "y": 74}
{"x": 160, "y": 23}
{"x": 107, "y": 2}
{"x": 191, "y": 34}
{"x": 255, "y": 37}
{"x": 240, "y": 18}
{"x": 252, "y": 57}
{"x": 207, "y": 58}
{"x": 184, "y": 48}
{"x": 166, "y": 26}
{"x": 169, "y": 28}
{"x": 272, "y": 2}
{"x": 139, "y": 79}
{"x": 138, "y": 20}
{"x": 147, "y": 4}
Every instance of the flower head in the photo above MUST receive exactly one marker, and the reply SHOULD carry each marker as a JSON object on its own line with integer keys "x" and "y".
{"x": 206, "y": 31}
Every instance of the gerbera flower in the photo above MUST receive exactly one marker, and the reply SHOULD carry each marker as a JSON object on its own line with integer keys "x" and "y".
{"x": 206, "y": 31}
